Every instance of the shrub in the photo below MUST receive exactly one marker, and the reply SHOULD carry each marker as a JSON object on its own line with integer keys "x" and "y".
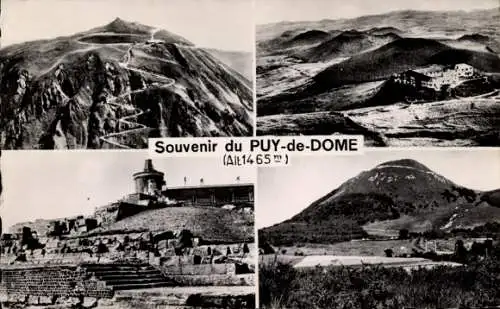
{"x": 474, "y": 285}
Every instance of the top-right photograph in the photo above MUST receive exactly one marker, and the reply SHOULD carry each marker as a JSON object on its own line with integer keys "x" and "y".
{"x": 402, "y": 73}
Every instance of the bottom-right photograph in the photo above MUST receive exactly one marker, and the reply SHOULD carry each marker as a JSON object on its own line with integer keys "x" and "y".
{"x": 386, "y": 229}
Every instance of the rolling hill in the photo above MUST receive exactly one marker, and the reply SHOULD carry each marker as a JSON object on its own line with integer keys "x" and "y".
{"x": 398, "y": 56}
{"x": 475, "y": 37}
{"x": 401, "y": 194}
{"x": 384, "y": 31}
{"x": 310, "y": 37}
{"x": 380, "y": 64}
{"x": 345, "y": 44}
{"x": 491, "y": 44}
{"x": 458, "y": 22}
{"x": 116, "y": 85}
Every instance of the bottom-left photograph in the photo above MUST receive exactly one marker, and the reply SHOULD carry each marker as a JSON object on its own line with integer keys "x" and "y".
{"x": 117, "y": 229}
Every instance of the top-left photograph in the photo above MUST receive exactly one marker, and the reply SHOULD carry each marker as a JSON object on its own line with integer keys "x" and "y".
{"x": 79, "y": 74}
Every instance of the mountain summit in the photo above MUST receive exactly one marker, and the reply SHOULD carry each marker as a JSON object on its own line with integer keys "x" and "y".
{"x": 116, "y": 85}
{"x": 121, "y": 26}
{"x": 400, "y": 194}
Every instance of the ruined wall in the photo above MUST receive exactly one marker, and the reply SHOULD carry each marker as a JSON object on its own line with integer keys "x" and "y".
{"x": 107, "y": 214}
{"x": 206, "y": 275}
{"x": 213, "y": 280}
{"x": 202, "y": 269}
{"x": 41, "y": 226}
{"x": 50, "y": 281}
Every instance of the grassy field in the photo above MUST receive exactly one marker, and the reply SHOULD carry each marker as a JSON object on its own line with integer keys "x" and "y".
{"x": 367, "y": 248}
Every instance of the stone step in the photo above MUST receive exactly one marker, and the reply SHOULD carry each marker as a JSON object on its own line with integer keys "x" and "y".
{"x": 118, "y": 266}
{"x": 97, "y": 270}
{"x": 117, "y": 282}
{"x": 123, "y": 272}
{"x": 135, "y": 286}
{"x": 129, "y": 276}
{"x": 158, "y": 301}
{"x": 114, "y": 264}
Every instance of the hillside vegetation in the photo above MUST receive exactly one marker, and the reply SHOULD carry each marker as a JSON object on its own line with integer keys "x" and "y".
{"x": 474, "y": 286}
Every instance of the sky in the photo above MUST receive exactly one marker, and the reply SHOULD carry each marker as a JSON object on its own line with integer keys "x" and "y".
{"x": 270, "y": 11}
{"x": 283, "y": 192}
{"x": 54, "y": 184}
{"x": 221, "y": 24}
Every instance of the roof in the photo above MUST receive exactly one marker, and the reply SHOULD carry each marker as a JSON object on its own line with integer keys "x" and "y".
{"x": 417, "y": 75}
{"x": 430, "y": 69}
{"x": 148, "y": 170}
{"x": 234, "y": 185}
{"x": 148, "y": 173}
{"x": 464, "y": 64}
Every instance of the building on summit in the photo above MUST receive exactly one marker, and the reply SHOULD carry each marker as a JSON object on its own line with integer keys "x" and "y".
{"x": 149, "y": 181}
{"x": 435, "y": 77}
{"x": 151, "y": 193}
{"x": 150, "y": 185}
{"x": 411, "y": 78}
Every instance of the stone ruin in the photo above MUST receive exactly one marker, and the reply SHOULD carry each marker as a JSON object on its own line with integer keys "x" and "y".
{"x": 75, "y": 262}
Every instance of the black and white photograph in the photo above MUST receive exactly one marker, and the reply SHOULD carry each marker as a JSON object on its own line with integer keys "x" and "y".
{"x": 120, "y": 230}
{"x": 398, "y": 229}
{"x": 402, "y": 73}
{"x": 110, "y": 74}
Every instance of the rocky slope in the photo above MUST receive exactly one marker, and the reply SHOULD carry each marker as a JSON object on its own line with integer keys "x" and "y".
{"x": 393, "y": 195}
{"x": 115, "y": 86}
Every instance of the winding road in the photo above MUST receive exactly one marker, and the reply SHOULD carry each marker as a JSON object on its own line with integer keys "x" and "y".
{"x": 130, "y": 121}
{"x": 121, "y": 136}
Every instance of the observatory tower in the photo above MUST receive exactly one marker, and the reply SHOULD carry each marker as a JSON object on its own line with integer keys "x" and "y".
{"x": 149, "y": 181}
